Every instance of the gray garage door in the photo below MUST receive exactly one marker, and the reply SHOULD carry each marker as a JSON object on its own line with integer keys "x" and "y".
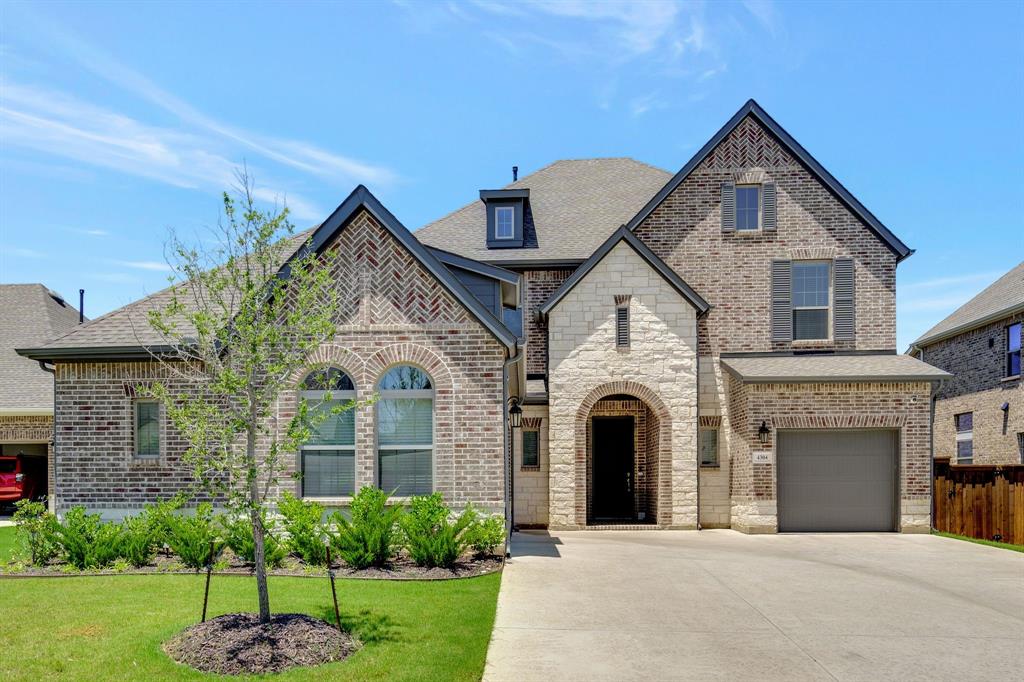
{"x": 837, "y": 480}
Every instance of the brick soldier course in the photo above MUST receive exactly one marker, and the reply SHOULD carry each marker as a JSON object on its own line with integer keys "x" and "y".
{"x": 637, "y": 296}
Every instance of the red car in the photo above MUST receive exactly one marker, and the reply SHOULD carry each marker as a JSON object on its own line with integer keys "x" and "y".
{"x": 15, "y": 482}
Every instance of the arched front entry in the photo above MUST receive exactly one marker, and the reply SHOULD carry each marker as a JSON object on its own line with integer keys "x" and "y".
{"x": 623, "y": 457}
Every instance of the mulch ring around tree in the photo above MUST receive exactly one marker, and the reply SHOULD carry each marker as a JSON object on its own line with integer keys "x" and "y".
{"x": 237, "y": 644}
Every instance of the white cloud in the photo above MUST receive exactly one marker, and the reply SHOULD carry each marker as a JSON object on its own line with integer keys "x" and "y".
{"x": 940, "y": 282}
{"x": 21, "y": 253}
{"x": 90, "y": 233}
{"x": 766, "y": 13}
{"x": 115, "y": 277}
{"x": 639, "y": 106}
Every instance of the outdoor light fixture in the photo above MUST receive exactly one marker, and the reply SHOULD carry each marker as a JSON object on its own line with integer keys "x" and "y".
{"x": 764, "y": 433}
{"x": 515, "y": 414}
{"x": 1005, "y": 407}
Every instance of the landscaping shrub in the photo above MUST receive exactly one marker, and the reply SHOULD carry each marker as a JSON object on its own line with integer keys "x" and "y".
{"x": 371, "y": 537}
{"x": 189, "y": 536}
{"x": 305, "y": 532}
{"x": 432, "y": 538}
{"x": 157, "y": 515}
{"x": 35, "y": 530}
{"x": 486, "y": 534}
{"x": 86, "y": 541}
{"x": 138, "y": 540}
{"x": 239, "y": 537}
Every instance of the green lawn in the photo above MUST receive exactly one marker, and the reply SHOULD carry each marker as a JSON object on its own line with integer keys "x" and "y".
{"x": 990, "y": 543}
{"x": 111, "y": 627}
{"x": 6, "y": 542}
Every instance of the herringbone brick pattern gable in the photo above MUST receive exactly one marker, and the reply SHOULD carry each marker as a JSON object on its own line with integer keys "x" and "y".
{"x": 749, "y": 146}
{"x": 385, "y": 285}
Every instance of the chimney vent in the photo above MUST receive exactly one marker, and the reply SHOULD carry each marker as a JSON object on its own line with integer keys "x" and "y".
{"x": 81, "y": 306}
{"x": 515, "y": 173}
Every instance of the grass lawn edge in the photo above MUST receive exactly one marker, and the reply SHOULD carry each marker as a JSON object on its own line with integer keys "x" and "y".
{"x": 979, "y": 541}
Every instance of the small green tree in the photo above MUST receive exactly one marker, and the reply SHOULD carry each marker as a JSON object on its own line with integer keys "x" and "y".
{"x": 244, "y": 312}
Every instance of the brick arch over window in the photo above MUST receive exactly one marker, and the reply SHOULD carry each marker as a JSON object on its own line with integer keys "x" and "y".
{"x": 444, "y": 407}
{"x": 664, "y": 447}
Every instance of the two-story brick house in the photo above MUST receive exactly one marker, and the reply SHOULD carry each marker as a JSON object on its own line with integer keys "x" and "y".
{"x": 714, "y": 347}
{"x": 979, "y": 413}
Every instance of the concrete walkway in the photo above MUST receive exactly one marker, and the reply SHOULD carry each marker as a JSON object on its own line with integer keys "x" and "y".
{"x": 660, "y": 605}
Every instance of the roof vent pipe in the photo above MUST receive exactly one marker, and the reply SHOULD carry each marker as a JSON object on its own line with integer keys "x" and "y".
{"x": 81, "y": 306}
{"x": 515, "y": 173}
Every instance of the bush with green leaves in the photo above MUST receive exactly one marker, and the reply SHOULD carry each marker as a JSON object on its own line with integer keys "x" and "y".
{"x": 432, "y": 536}
{"x": 371, "y": 537}
{"x": 156, "y": 517}
{"x": 486, "y": 534}
{"x": 238, "y": 535}
{"x": 86, "y": 541}
{"x": 36, "y": 531}
{"x": 189, "y": 536}
{"x": 139, "y": 539}
{"x": 302, "y": 522}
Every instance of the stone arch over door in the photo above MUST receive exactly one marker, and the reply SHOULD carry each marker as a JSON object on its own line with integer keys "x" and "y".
{"x": 662, "y": 450}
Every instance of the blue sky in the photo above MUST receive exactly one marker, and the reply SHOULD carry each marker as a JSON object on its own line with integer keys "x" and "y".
{"x": 118, "y": 121}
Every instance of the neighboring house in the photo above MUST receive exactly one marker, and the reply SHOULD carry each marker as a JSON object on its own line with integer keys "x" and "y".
{"x": 716, "y": 347}
{"x": 30, "y": 314}
{"x": 979, "y": 414}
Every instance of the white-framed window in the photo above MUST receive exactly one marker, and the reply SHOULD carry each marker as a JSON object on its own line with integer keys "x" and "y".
{"x": 329, "y": 457}
{"x": 748, "y": 207}
{"x": 147, "y": 429}
{"x": 964, "y": 438}
{"x": 811, "y": 299}
{"x": 405, "y": 431}
{"x": 1013, "y": 339}
{"x": 707, "y": 443}
{"x": 504, "y": 222}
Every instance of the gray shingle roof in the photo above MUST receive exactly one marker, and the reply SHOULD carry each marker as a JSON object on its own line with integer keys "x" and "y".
{"x": 30, "y": 315}
{"x": 831, "y": 368}
{"x": 1002, "y": 298}
{"x": 575, "y": 205}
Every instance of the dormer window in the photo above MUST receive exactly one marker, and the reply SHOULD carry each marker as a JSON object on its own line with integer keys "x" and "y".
{"x": 506, "y": 211}
{"x": 504, "y": 222}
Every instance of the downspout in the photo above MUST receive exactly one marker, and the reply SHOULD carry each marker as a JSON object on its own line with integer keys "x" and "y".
{"x": 507, "y": 450}
{"x": 53, "y": 493}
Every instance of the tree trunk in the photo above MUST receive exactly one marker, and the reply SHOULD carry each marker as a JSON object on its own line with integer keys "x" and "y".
{"x": 258, "y": 531}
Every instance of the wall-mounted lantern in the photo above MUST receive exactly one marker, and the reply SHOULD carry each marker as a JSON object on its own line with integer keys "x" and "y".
{"x": 515, "y": 414}
{"x": 764, "y": 434}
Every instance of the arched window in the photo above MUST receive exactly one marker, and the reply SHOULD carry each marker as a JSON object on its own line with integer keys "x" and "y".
{"x": 405, "y": 431}
{"x": 328, "y": 458}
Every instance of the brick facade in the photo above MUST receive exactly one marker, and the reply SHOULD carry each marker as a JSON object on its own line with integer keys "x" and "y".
{"x": 394, "y": 312}
{"x": 899, "y": 406}
{"x": 539, "y": 284}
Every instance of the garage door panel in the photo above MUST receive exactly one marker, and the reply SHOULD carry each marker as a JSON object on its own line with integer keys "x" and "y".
{"x": 836, "y": 480}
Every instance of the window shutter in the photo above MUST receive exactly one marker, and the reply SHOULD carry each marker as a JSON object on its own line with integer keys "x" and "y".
{"x": 768, "y": 212}
{"x": 622, "y": 326}
{"x": 782, "y": 321}
{"x": 728, "y": 207}
{"x": 843, "y": 299}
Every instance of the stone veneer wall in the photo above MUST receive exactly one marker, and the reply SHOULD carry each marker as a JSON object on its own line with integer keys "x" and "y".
{"x": 901, "y": 406}
{"x": 659, "y": 367}
{"x": 34, "y": 428}
{"x": 979, "y": 386}
{"x": 531, "y": 483}
{"x": 394, "y": 312}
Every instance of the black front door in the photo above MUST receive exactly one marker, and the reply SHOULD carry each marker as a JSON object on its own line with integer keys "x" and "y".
{"x": 612, "y": 468}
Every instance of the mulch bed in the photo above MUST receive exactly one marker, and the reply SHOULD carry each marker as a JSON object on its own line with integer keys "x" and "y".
{"x": 237, "y": 643}
{"x": 402, "y": 568}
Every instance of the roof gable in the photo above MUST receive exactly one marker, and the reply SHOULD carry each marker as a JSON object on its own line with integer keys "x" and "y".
{"x": 753, "y": 109}
{"x": 641, "y": 249}
{"x": 1002, "y": 298}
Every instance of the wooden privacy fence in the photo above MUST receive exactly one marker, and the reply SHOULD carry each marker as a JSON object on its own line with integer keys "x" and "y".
{"x": 983, "y": 501}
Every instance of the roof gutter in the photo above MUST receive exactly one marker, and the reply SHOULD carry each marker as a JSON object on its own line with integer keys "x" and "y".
{"x": 968, "y": 326}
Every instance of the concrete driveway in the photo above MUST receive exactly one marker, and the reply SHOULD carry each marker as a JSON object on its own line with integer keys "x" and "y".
{"x": 657, "y": 605}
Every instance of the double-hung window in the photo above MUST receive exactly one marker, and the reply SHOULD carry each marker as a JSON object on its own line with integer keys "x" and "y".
{"x": 504, "y": 222}
{"x": 748, "y": 207}
{"x": 147, "y": 429}
{"x": 328, "y": 457}
{"x": 810, "y": 299}
{"x": 405, "y": 431}
{"x": 1013, "y": 350}
{"x": 707, "y": 442}
{"x": 965, "y": 438}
